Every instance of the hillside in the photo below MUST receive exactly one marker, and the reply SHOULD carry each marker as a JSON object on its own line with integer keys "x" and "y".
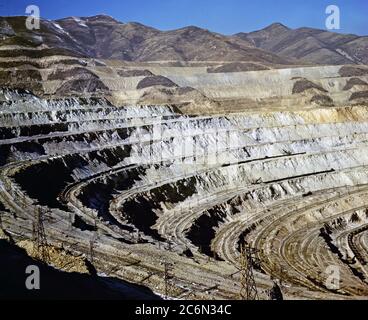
{"x": 103, "y": 37}
{"x": 310, "y": 45}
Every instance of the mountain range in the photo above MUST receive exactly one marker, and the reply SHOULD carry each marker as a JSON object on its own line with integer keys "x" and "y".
{"x": 103, "y": 37}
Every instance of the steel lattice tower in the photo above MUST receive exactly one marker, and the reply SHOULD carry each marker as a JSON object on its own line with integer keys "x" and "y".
{"x": 40, "y": 245}
{"x": 248, "y": 287}
{"x": 168, "y": 267}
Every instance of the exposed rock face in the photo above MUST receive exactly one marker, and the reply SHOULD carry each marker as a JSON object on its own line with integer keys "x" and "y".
{"x": 188, "y": 97}
{"x": 351, "y": 71}
{"x": 352, "y": 82}
{"x": 138, "y": 146}
{"x": 155, "y": 81}
{"x": 58, "y": 258}
{"x": 82, "y": 86}
{"x": 361, "y": 95}
{"x": 49, "y": 40}
{"x": 149, "y": 175}
{"x": 62, "y": 74}
{"x": 303, "y": 85}
{"x": 237, "y": 67}
{"x": 6, "y": 29}
{"x": 322, "y": 99}
{"x": 281, "y": 89}
{"x": 74, "y": 80}
{"x": 135, "y": 73}
{"x": 18, "y": 78}
{"x": 42, "y": 63}
{"x": 78, "y": 81}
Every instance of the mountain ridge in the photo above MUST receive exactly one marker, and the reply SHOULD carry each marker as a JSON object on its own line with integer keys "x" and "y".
{"x": 310, "y": 45}
{"x": 104, "y": 37}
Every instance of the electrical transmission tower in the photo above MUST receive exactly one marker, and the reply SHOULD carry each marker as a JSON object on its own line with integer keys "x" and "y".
{"x": 71, "y": 221}
{"x": 40, "y": 246}
{"x": 248, "y": 287}
{"x": 92, "y": 244}
{"x": 91, "y": 249}
{"x": 168, "y": 267}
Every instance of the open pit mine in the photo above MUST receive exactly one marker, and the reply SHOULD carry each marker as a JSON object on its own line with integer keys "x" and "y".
{"x": 159, "y": 170}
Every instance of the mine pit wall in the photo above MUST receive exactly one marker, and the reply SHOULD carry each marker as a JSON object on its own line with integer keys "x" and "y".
{"x": 193, "y": 75}
{"x": 133, "y": 183}
{"x": 258, "y": 137}
{"x": 259, "y": 89}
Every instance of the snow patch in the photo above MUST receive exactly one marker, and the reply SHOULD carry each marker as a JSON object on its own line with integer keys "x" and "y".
{"x": 80, "y": 22}
{"x": 345, "y": 54}
{"x": 56, "y": 25}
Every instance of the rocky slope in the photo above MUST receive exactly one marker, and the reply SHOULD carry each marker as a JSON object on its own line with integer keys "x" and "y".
{"x": 130, "y": 162}
{"x": 310, "y": 45}
{"x": 147, "y": 184}
{"x": 104, "y": 37}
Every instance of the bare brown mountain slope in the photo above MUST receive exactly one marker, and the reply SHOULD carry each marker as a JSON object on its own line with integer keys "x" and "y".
{"x": 104, "y": 37}
{"x": 310, "y": 45}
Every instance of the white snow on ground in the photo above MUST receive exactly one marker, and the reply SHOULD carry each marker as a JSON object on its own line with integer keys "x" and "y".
{"x": 56, "y": 25}
{"x": 80, "y": 22}
{"x": 345, "y": 54}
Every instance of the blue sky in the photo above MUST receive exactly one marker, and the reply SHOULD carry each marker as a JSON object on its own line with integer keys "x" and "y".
{"x": 223, "y": 16}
